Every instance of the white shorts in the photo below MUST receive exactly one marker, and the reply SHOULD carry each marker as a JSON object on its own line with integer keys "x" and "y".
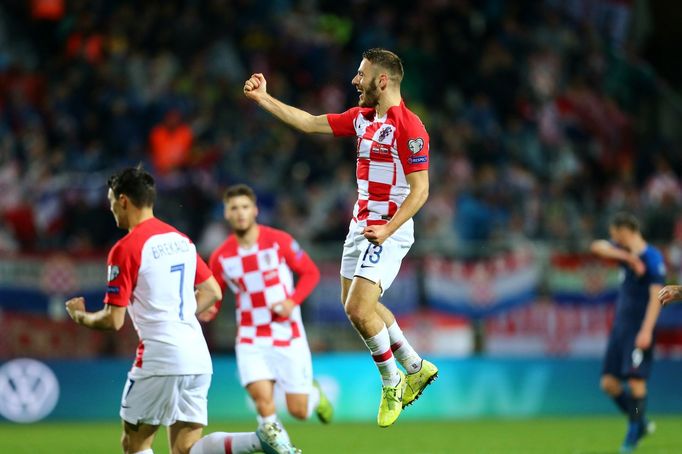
{"x": 290, "y": 367}
{"x": 165, "y": 399}
{"x": 379, "y": 264}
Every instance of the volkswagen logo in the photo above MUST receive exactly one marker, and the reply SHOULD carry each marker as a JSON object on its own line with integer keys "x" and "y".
{"x": 29, "y": 390}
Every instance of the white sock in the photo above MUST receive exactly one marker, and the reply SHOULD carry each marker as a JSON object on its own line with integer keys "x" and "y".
{"x": 313, "y": 400}
{"x": 266, "y": 419}
{"x": 146, "y": 451}
{"x": 380, "y": 348}
{"x": 270, "y": 419}
{"x": 227, "y": 443}
{"x": 403, "y": 351}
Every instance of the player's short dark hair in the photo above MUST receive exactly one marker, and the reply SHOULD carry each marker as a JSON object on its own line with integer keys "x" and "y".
{"x": 238, "y": 190}
{"x": 625, "y": 220}
{"x": 387, "y": 60}
{"x": 136, "y": 184}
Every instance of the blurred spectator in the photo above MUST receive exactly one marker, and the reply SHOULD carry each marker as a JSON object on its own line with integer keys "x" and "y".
{"x": 170, "y": 143}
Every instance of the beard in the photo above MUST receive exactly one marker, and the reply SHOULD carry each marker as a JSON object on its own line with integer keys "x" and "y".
{"x": 370, "y": 95}
{"x": 239, "y": 231}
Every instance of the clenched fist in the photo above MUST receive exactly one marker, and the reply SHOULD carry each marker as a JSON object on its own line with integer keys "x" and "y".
{"x": 74, "y": 306}
{"x": 255, "y": 86}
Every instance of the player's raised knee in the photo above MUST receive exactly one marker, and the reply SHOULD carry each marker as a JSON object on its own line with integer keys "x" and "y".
{"x": 352, "y": 311}
{"x": 357, "y": 311}
{"x": 610, "y": 385}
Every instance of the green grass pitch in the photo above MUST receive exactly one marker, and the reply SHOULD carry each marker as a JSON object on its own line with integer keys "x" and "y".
{"x": 595, "y": 435}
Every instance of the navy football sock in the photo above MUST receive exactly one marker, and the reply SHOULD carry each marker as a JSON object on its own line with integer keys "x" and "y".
{"x": 637, "y": 408}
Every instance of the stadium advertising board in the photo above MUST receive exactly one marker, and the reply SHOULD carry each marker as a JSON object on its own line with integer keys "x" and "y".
{"x": 467, "y": 388}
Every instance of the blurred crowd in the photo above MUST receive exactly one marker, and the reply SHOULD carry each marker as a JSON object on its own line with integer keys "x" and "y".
{"x": 541, "y": 116}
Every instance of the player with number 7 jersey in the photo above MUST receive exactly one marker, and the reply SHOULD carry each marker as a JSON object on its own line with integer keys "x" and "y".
{"x": 153, "y": 271}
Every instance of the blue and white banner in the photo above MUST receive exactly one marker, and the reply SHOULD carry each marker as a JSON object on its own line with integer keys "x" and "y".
{"x": 480, "y": 288}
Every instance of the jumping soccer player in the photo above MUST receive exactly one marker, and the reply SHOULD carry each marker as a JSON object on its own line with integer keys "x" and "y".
{"x": 153, "y": 272}
{"x": 630, "y": 349}
{"x": 393, "y": 184}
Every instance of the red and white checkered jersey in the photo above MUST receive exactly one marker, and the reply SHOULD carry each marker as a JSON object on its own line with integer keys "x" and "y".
{"x": 153, "y": 270}
{"x": 261, "y": 277}
{"x": 388, "y": 149}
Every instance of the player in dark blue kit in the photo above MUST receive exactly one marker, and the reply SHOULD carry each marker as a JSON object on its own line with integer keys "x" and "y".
{"x": 630, "y": 349}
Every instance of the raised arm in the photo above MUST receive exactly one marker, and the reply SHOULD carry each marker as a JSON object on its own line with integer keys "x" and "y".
{"x": 255, "y": 89}
{"x": 606, "y": 250}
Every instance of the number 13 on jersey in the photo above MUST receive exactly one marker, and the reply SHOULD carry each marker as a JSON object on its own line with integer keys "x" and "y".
{"x": 372, "y": 255}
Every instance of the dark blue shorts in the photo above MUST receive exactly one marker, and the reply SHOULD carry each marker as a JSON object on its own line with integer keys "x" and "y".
{"x": 623, "y": 360}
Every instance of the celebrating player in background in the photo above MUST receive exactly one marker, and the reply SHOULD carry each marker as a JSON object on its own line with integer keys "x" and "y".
{"x": 153, "y": 271}
{"x": 256, "y": 262}
{"x": 630, "y": 349}
{"x": 393, "y": 184}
